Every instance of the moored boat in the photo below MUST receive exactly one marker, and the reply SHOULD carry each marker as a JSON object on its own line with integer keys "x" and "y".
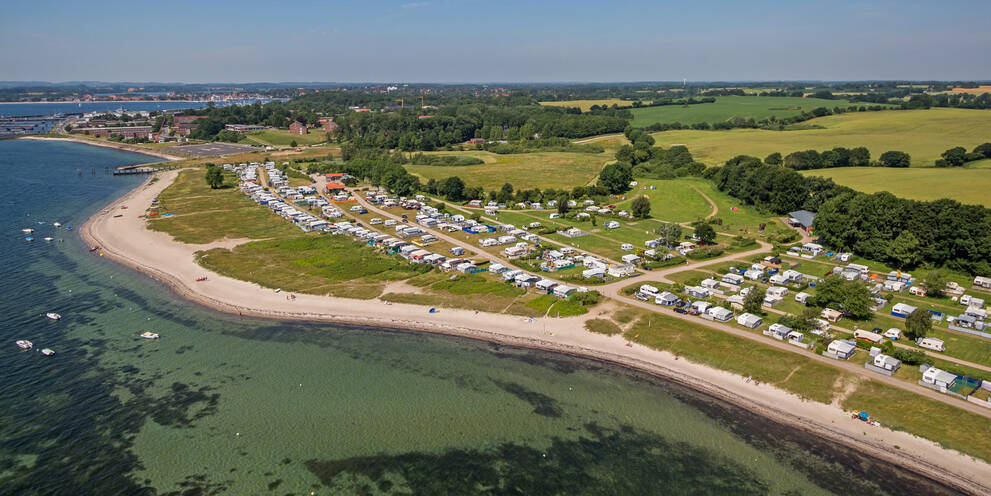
{"x": 49, "y": 239}
{"x": 24, "y": 344}
{"x": 149, "y": 335}
{"x": 200, "y": 278}
{"x": 56, "y": 224}
{"x": 27, "y": 230}
{"x": 53, "y": 316}
{"x": 94, "y": 248}
{"x": 47, "y": 352}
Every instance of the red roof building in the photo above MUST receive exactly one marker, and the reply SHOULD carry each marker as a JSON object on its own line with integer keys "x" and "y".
{"x": 332, "y": 187}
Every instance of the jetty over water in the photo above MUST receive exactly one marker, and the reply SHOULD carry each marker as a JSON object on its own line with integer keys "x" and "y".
{"x": 139, "y": 169}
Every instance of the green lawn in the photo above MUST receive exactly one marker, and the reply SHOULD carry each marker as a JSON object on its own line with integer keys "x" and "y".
{"x": 201, "y": 215}
{"x": 966, "y": 185}
{"x": 317, "y": 264}
{"x": 671, "y": 200}
{"x": 282, "y": 137}
{"x": 523, "y": 170}
{"x": 728, "y": 107}
{"x": 924, "y": 134}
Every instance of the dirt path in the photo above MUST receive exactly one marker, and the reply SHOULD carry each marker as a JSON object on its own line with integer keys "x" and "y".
{"x": 715, "y": 208}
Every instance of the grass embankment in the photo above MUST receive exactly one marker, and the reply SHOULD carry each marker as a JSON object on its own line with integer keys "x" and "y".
{"x": 471, "y": 292}
{"x": 523, "y": 170}
{"x": 700, "y": 344}
{"x": 894, "y": 407}
{"x": 729, "y": 107}
{"x": 966, "y": 185}
{"x": 903, "y": 410}
{"x": 202, "y": 215}
{"x": 332, "y": 265}
{"x": 924, "y": 134}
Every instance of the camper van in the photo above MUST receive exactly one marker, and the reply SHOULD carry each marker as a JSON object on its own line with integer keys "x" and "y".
{"x": 931, "y": 344}
{"x": 871, "y": 337}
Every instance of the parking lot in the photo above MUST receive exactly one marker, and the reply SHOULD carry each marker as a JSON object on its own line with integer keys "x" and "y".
{"x": 212, "y": 149}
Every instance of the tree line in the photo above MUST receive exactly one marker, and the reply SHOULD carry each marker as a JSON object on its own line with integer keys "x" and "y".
{"x": 958, "y": 156}
{"x": 773, "y": 123}
{"x": 904, "y": 233}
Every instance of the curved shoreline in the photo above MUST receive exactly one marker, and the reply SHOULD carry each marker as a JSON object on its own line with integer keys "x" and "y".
{"x": 915, "y": 455}
{"x": 116, "y": 146}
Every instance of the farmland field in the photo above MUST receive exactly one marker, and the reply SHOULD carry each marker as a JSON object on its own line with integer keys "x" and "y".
{"x": 279, "y": 137}
{"x": 965, "y": 185}
{"x": 586, "y": 104}
{"x": 924, "y": 134}
{"x": 727, "y": 107}
{"x": 524, "y": 170}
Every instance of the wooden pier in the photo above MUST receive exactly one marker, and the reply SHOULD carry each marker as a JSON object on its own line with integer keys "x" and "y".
{"x": 128, "y": 170}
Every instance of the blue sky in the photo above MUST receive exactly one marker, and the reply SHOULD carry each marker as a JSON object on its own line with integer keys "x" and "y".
{"x": 476, "y": 41}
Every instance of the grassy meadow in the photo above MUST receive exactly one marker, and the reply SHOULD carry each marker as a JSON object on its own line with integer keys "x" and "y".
{"x": 280, "y": 137}
{"x": 332, "y": 265}
{"x": 202, "y": 215}
{"x": 728, "y": 107}
{"x": 966, "y": 185}
{"x": 523, "y": 170}
{"x": 924, "y": 134}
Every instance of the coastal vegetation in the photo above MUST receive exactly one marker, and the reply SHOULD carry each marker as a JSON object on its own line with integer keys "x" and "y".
{"x": 201, "y": 214}
{"x": 328, "y": 265}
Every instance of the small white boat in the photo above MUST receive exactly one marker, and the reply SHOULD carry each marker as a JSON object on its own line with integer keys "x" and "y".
{"x": 48, "y": 352}
{"x": 56, "y": 224}
{"x": 53, "y": 316}
{"x": 24, "y": 344}
{"x": 149, "y": 335}
{"x": 48, "y": 239}
{"x": 27, "y": 230}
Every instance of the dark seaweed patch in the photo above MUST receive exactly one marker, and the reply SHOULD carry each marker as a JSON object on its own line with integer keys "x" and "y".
{"x": 604, "y": 461}
{"x": 542, "y": 404}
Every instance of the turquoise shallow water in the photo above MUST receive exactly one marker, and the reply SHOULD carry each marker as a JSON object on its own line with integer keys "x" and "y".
{"x": 223, "y": 405}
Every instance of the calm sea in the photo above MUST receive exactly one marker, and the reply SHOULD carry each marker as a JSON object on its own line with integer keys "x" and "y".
{"x": 221, "y": 405}
{"x": 19, "y": 109}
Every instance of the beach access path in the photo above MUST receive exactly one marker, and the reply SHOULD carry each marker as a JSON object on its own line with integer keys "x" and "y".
{"x": 126, "y": 240}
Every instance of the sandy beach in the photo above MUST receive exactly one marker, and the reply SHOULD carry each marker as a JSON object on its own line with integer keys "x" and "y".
{"x": 127, "y": 241}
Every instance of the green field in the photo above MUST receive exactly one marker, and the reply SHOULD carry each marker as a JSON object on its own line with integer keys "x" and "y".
{"x": 523, "y": 170}
{"x": 279, "y": 137}
{"x": 728, "y": 107}
{"x": 966, "y": 185}
{"x": 924, "y": 134}
{"x": 681, "y": 200}
{"x": 202, "y": 215}
{"x": 585, "y": 105}
{"x": 311, "y": 264}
